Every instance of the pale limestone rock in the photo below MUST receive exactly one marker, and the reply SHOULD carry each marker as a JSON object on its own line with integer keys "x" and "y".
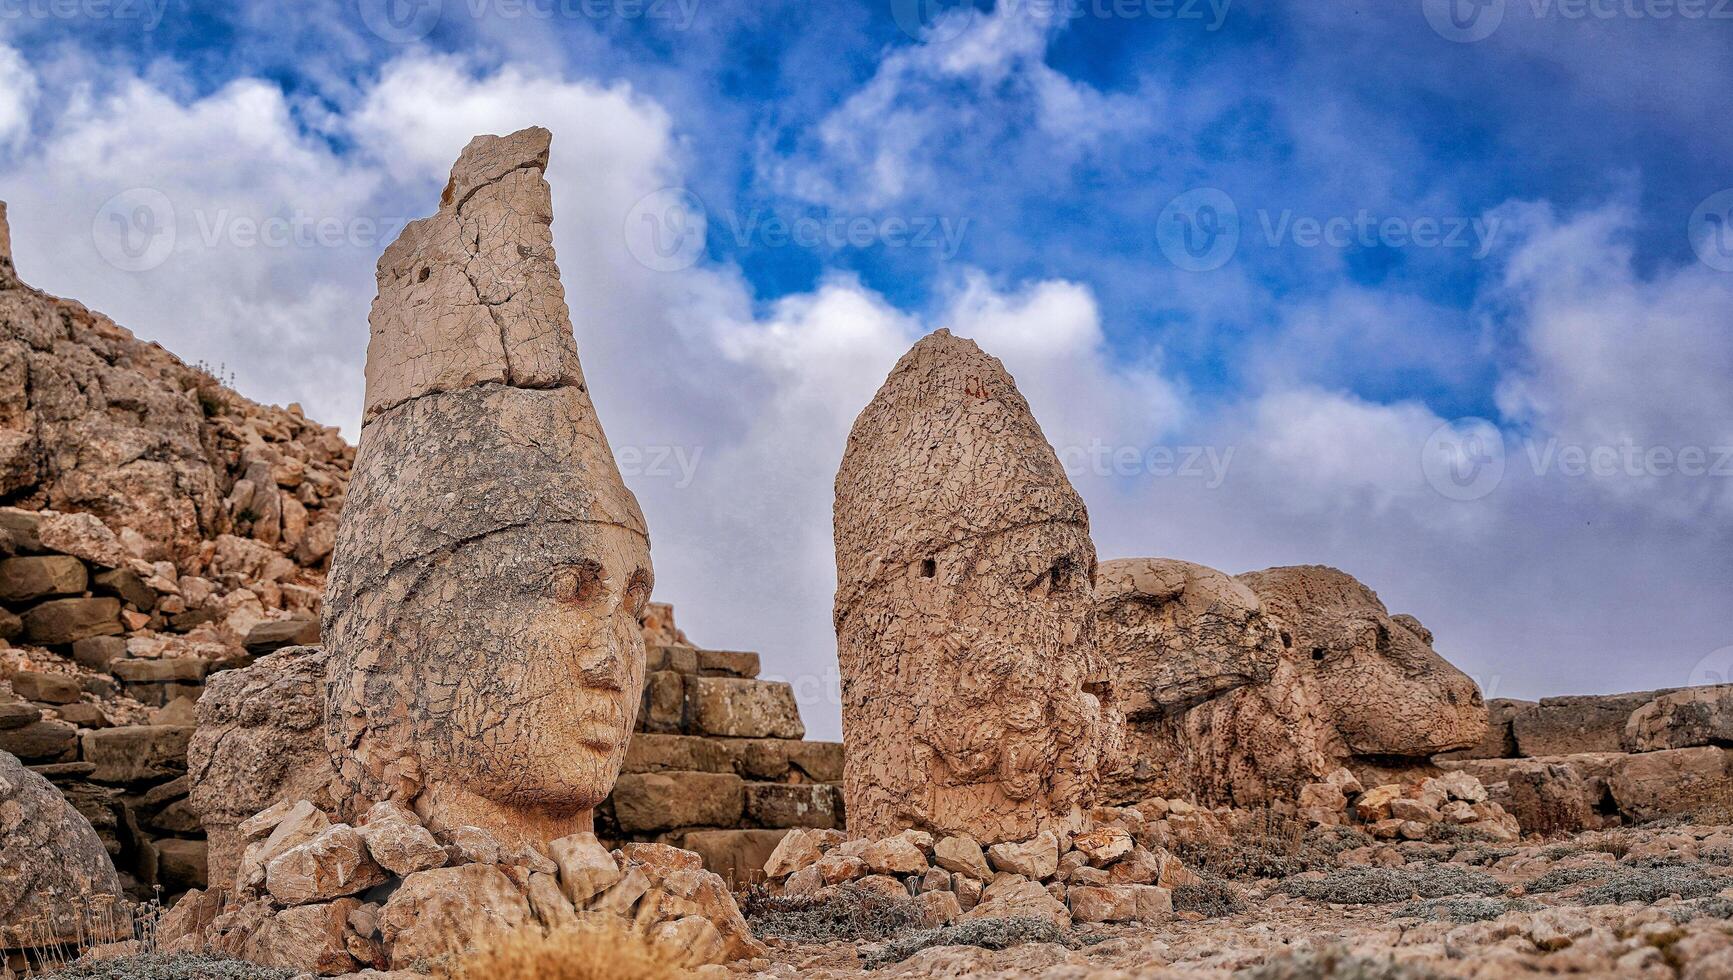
{"x": 332, "y": 865}
{"x": 1174, "y": 635}
{"x": 585, "y": 867}
{"x": 552, "y": 908}
{"x": 259, "y": 746}
{"x": 799, "y": 848}
{"x": 1350, "y": 682}
{"x": 302, "y": 823}
{"x": 398, "y": 842}
{"x": 1037, "y": 858}
{"x": 1023, "y": 899}
{"x": 311, "y": 938}
{"x": 53, "y": 867}
{"x": 962, "y": 855}
{"x": 971, "y": 685}
{"x": 894, "y": 856}
{"x": 1688, "y": 718}
{"x": 490, "y": 565}
{"x": 1104, "y": 846}
{"x": 449, "y": 910}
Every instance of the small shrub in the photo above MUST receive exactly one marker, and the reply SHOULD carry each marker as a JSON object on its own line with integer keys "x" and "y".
{"x": 586, "y": 952}
{"x": 1212, "y": 899}
{"x": 155, "y": 966}
{"x": 1642, "y": 881}
{"x": 1251, "y": 857}
{"x": 1386, "y": 886}
{"x": 1711, "y": 908}
{"x": 1483, "y": 856}
{"x": 1558, "y": 852}
{"x": 1651, "y": 885}
{"x": 1462, "y": 908}
{"x": 850, "y": 915}
{"x": 1558, "y": 879}
{"x": 985, "y": 933}
{"x": 1335, "y": 963}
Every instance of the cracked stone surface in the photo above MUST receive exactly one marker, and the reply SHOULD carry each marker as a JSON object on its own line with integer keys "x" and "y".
{"x": 1349, "y": 685}
{"x": 53, "y": 868}
{"x": 970, "y": 681}
{"x": 490, "y": 565}
{"x": 1175, "y": 635}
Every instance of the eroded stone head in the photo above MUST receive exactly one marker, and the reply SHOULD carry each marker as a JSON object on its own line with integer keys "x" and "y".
{"x": 972, "y": 691}
{"x": 1385, "y": 690}
{"x": 482, "y": 608}
{"x": 1175, "y": 635}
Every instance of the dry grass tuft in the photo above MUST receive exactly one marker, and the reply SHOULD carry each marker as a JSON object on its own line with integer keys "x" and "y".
{"x": 591, "y": 951}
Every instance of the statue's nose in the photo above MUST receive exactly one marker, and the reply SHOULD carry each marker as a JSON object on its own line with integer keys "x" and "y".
{"x": 601, "y": 665}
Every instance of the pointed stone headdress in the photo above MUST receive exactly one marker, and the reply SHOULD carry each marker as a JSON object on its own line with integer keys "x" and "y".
{"x": 489, "y": 553}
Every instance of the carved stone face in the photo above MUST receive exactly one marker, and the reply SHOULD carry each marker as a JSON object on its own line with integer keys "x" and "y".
{"x": 1383, "y": 687}
{"x": 972, "y": 691}
{"x": 1013, "y": 708}
{"x": 526, "y": 662}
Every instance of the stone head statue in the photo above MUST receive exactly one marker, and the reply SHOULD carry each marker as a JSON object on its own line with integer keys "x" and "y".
{"x": 1175, "y": 635}
{"x": 1241, "y": 690}
{"x": 490, "y": 567}
{"x": 1387, "y": 693}
{"x": 972, "y": 691}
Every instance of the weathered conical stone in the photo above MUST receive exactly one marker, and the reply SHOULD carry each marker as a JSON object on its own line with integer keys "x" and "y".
{"x": 971, "y": 686}
{"x": 481, "y": 612}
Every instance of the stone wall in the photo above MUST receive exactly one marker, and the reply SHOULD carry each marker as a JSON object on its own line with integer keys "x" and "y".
{"x": 1582, "y": 762}
{"x": 112, "y": 652}
{"x": 719, "y": 764}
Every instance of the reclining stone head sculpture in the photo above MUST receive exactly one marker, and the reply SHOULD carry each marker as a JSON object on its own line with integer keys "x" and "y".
{"x": 1335, "y": 680}
{"x": 481, "y": 612}
{"x": 971, "y": 686}
{"x": 1174, "y": 635}
{"x": 1385, "y": 690}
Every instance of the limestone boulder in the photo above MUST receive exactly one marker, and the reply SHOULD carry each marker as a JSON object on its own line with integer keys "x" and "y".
{"x": 972, "y": 689}
{"x": 740, "y": 708}
{"x": 334, "y": 864}
{"x": 260, "y": 741}
{"x": 1695, "y": 782}
{"x": 1688, "y": 718}
{"x": 53, "y": 866}
{"x": 447, "y": 911}
{"x": 398, "y": 842}
{"x": 1575, "y": 724}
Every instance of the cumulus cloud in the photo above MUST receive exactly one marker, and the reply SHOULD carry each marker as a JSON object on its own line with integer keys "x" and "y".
{"x": 18, "y": 93}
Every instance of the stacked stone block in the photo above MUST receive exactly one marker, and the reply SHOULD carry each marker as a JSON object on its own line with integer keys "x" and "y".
{"x": 1582, "y": 762}
{"x": 718, "y": 764}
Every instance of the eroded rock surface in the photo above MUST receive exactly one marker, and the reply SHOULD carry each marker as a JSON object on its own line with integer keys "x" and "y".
{"x": 1175, "y": 635}
{"x": 971, "y": 685}
{"x": 490, "y": 564}
{"x": 1350, "y": 685}
{"x": 54, "y": 873}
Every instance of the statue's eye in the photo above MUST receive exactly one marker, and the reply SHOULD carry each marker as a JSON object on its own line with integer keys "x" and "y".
{"x": 638, "y": 591}
{"x": 583, "y": 582}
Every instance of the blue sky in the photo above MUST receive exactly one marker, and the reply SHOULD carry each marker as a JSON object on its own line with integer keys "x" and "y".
{"x": 1412, "y": 237}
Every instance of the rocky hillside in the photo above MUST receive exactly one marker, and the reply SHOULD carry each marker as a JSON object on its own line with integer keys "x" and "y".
{"x": 155, "y": 528}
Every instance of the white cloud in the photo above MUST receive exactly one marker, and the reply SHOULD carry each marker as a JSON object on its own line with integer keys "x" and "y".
{"x": 19, "y": 91}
